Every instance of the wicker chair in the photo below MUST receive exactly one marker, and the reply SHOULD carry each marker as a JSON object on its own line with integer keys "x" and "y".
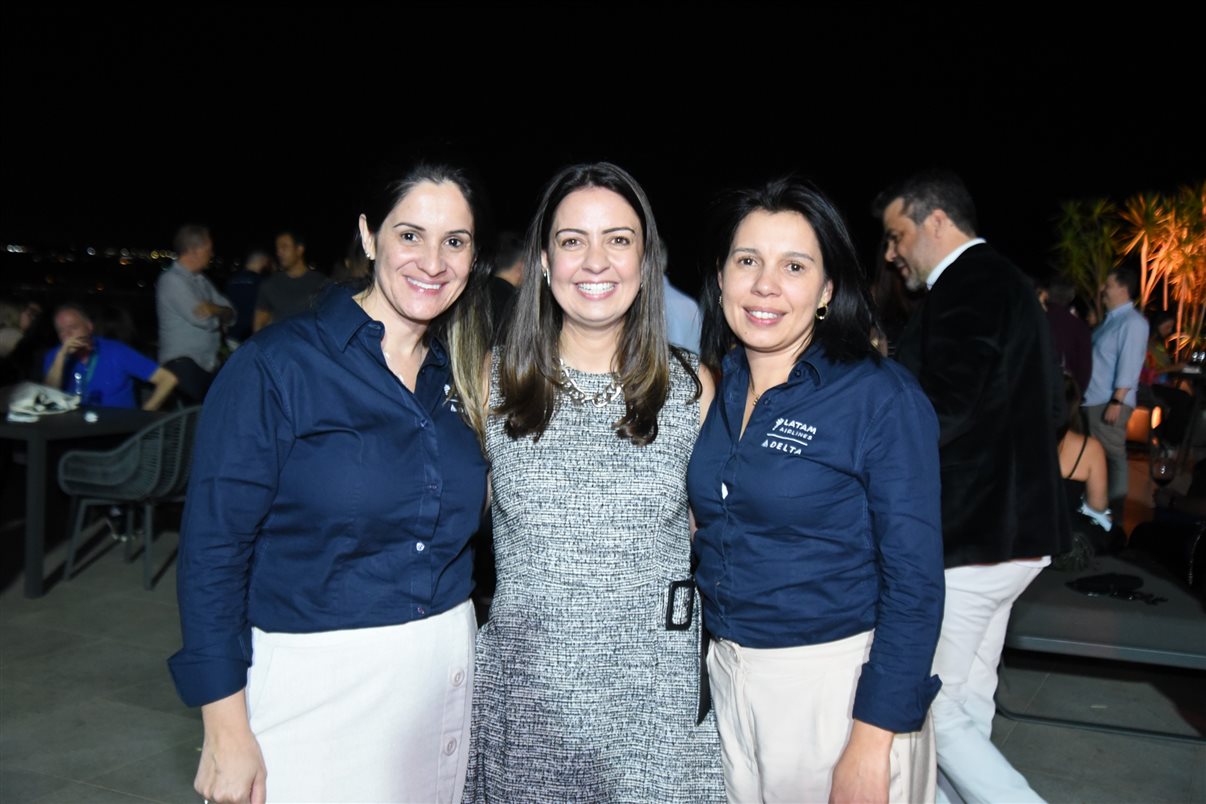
{"x": 148, "y": 468}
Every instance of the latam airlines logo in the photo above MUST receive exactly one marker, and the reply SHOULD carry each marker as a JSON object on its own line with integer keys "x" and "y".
{"x": 789, "y": 436}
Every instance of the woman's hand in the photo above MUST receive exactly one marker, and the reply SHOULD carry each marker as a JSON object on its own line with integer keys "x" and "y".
{"x": 232, "y": 769}
{"x": 862, "y": 772}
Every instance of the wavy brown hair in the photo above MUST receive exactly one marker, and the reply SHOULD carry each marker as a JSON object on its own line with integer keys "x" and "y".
{"x": 529, "y": 366}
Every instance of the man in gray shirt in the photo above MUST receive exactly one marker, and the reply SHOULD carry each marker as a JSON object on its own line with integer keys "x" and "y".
{"x": 292, "y": 289}
{"x": 191, "y": 314}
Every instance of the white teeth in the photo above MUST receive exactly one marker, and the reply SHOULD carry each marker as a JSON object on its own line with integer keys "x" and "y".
{"x": 596, "y": 287}
{"x": 424, "y": 285}
{"x": 764, "y": 315}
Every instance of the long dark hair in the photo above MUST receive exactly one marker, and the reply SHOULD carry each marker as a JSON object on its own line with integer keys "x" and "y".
{"x": 530, "y": 363}
{"x": 463, "y": 328}
{"x": 845, "y": 332}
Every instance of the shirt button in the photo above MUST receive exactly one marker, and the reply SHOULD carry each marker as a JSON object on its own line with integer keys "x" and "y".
{"x": 420, "y": 610}
{"x": 458, "y": 678}
{"x": 423, "y": 423}
{"x": 420, "y": 547}
{"x": 450, "y": 747}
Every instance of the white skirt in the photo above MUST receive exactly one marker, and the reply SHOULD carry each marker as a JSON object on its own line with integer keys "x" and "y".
{"x": 365, "y": 715}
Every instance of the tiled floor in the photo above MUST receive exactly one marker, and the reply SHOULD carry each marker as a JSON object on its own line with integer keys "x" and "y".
{"x": 88, "y": 713}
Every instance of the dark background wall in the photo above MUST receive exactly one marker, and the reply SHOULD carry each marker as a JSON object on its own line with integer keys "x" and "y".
{"x": 121, "y": 125}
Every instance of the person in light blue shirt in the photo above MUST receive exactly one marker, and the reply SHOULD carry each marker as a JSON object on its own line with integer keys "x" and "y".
{"x": 1119, "y": 347}
{"x": 683, "y": 318}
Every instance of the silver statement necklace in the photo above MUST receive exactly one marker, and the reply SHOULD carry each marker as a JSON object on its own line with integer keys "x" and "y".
{"x": 578, "y": 396}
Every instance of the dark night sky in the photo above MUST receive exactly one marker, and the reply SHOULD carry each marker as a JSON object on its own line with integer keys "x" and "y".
{"x": 119, "y": 126}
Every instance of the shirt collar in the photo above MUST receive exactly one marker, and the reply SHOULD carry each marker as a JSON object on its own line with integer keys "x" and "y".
{"x": 815, "y": 362}
{"x": 341, "y": 317}
{"x": 948, "y": 259}
{"x": 1120, "y": 310}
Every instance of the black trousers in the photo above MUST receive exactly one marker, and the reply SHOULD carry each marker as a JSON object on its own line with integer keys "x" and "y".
{"x": 192, "y": 381}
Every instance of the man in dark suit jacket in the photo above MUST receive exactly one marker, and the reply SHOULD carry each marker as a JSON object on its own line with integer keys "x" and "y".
{"x": 981, "y": 348}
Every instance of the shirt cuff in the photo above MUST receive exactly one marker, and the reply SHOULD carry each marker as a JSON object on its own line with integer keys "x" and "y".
{"x": 893, "y": 702}
{"x": 202, "y": 679}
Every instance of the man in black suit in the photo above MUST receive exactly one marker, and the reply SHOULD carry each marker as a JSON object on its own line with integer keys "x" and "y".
{"x": 981, "y": 348}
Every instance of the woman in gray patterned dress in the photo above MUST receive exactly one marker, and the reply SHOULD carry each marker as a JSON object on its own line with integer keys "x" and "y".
{"x": 587, "y": 681}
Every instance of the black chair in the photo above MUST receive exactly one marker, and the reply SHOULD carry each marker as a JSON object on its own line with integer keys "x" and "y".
{"x": 147, "y": 469}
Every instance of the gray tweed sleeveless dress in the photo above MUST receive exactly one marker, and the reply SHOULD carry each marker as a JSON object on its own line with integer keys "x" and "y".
{"x": 581, "y": 692}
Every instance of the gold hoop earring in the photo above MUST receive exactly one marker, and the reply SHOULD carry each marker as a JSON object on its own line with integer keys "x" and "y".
{"x": 822, "y": 311}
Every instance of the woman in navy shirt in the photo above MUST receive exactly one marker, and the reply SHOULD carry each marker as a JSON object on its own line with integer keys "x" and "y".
{"x": 325, "y": 569}
{"x": 814, "y": 487}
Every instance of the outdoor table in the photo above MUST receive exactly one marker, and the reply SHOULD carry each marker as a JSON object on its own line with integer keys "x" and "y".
{"x": 66, "y": 427}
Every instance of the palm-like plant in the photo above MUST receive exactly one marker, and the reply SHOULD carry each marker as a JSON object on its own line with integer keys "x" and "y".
{"x": 1185, "y": 258}
{"x": 1147, "y": 221}
{"x": 1085, "y": 250}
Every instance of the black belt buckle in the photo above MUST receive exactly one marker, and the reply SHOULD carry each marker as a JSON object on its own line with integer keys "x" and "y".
{"x": 671, "y": 625}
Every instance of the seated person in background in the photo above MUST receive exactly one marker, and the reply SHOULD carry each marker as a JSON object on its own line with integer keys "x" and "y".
{"x": 1157, "y": 364}
{"x": 23, "y": 361}
{"x": 1082, "y": 466}
{"x": 99, "y": 370}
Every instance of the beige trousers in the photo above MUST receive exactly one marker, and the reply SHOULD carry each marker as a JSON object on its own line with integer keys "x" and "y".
{"x": 784, "y": 716}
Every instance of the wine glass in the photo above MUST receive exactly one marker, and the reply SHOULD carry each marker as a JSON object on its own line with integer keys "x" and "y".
{"x": 1163, "y": 464}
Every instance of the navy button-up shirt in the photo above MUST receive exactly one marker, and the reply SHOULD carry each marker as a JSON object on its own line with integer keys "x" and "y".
{"x": 324, "y": 495}
{"x": 823, "y": 521}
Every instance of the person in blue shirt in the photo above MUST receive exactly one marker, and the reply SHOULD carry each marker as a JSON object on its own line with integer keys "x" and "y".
{"x": 1119, "y": 349}
{"x": 325, "y": 570}
{"x": 815, "y": 491}
{"x": 101, "y": 371}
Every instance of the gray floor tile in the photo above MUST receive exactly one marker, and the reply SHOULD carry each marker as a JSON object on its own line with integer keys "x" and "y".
{"x": 1129, "y": 703}
{"x": 78, "y": 793}
{"x": 1106, "y": 767}
{"x": 99, "y": 666}
{"x": 1002, "y": 727}
{"x": 22, "y": 786}
{"x": 87, "y": 739}
{"x": 165, "y": 776}
{"x": 21, "y": 642}
{"x": 159, "y": 695}
{"x": 113, "y": 616}
{"x": 28, "y": 699}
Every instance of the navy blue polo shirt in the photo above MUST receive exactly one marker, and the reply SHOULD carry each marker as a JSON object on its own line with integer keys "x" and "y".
{"x": 324, "y": 495}
{"x": 823, "y": 521}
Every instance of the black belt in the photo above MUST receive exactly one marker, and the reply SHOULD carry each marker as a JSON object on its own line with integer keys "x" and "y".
{"x": 671, "y": 623}
{"x": 705, "y": 686}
